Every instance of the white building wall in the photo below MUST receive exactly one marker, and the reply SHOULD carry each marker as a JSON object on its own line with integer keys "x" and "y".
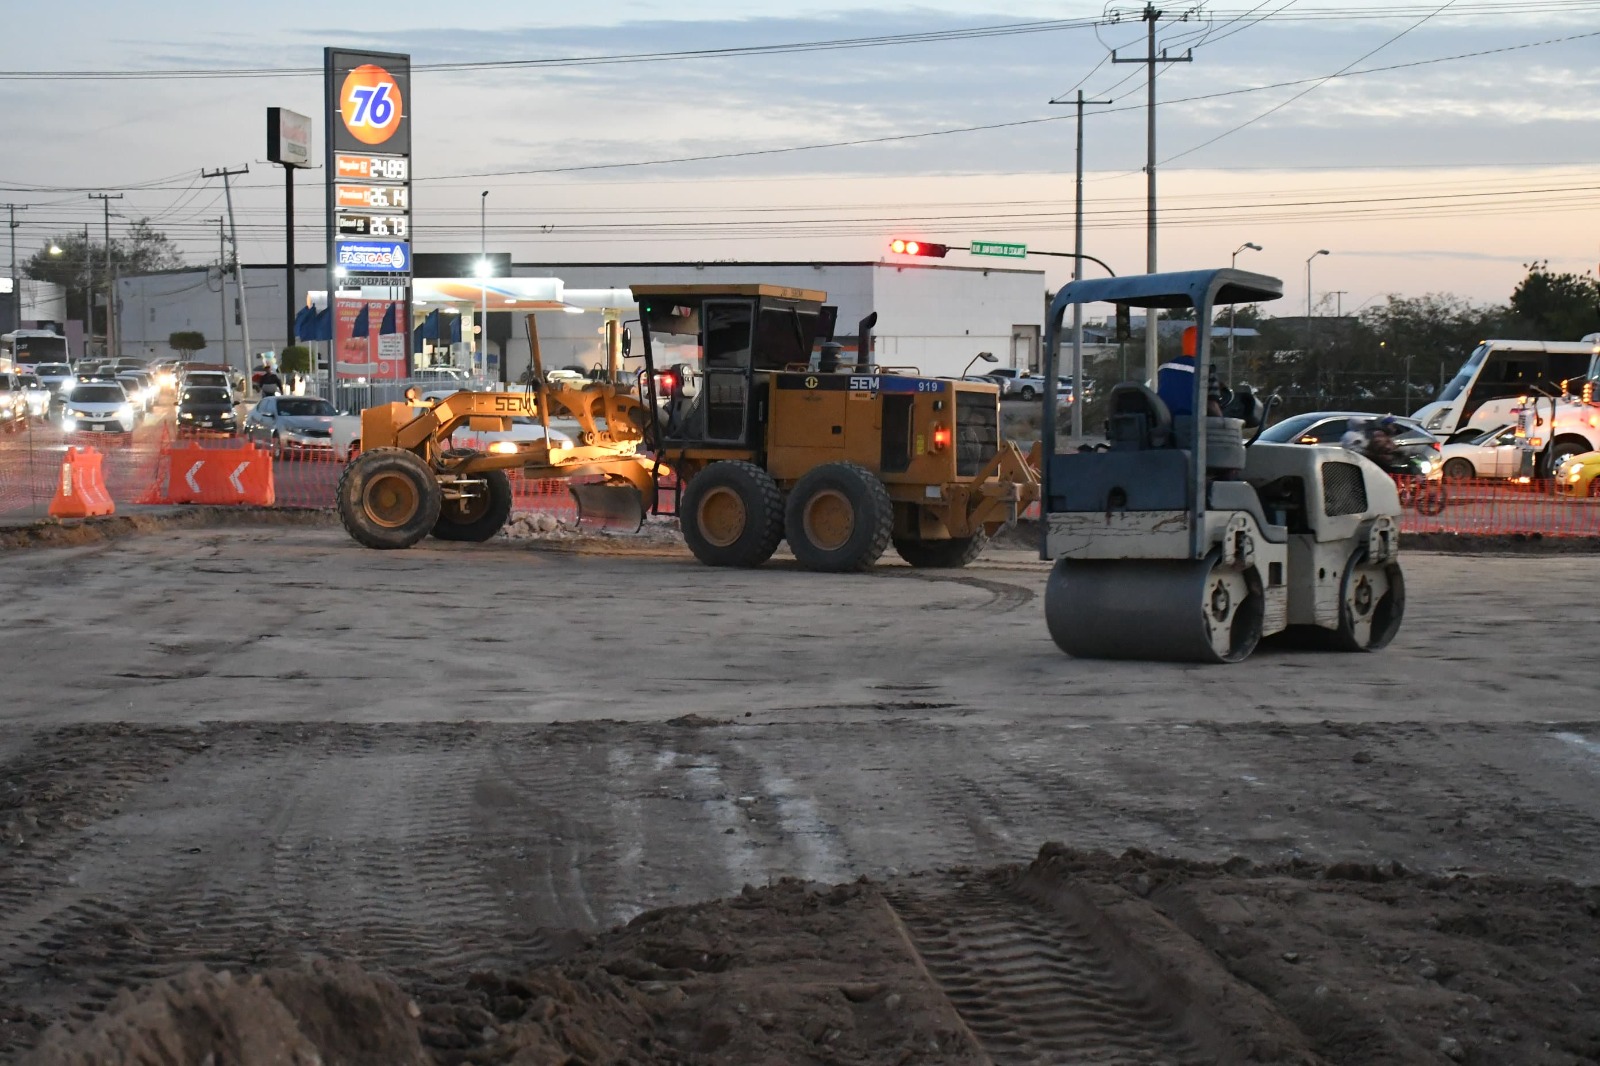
{"x": 933, "y": 317}
{"x": 938, "y": 318}
{"x": 155, "y": 306}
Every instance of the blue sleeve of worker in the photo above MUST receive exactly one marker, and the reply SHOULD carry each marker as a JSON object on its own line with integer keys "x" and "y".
{"x": 1175, "y": 386}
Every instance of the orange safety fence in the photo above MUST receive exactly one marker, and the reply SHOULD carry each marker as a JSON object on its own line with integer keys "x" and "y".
{"x": 136, "y": 465}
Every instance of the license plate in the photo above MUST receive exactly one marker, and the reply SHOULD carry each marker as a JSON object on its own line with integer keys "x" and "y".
{"x": 97, "y": 427}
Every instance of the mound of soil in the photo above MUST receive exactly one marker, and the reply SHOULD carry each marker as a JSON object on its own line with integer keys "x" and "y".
{"x": 1077, "y": 956}
{"x": 320, "y": 1013}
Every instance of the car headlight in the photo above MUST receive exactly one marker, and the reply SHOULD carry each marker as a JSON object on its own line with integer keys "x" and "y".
{"x": 69, "y": 424}
{"x": 187, "y": 415}
{"x": 1426, "y": 467}
{"x": 125, "y": 411}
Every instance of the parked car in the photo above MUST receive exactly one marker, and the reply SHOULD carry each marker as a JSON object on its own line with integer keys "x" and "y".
{"x": 1018, "y": 384}
{"x": 1579, "y": 475}
{"x": 1329, "y": 427}
{"x": 207, "y": 408}
{"x": 302, "y": 424}
{"x": 13, "y": 401}
{"x": 100, "y": 407}
{"x": 37, "y": 394}
{"x": 1474, "y": 453}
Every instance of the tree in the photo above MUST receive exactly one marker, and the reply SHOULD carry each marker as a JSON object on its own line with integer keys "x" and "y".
{"x": 78, "y": 263}
{"x": 186, "y": 342}
{"x": 1555, "y": 307}
{"x": 296, "y": 357}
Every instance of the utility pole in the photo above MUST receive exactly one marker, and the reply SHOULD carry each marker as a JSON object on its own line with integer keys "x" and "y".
{"x": 1151, "y": 14}
{"x": 238, "y": 270}
{"x": 16, "y": 282}
{"x": 1077, "y": 273}
{"x": 1338, "y": 302}
{"x": 111, "y": 286}
{"x": 222, "y": 283}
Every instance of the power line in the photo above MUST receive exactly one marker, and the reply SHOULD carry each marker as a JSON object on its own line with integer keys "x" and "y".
{"x": 1491, "y": 8}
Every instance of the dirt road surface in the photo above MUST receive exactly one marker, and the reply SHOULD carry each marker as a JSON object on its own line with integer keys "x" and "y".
{"x": 244, "y": 747}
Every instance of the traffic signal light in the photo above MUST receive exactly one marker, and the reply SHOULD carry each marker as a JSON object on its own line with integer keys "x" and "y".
{"x": 901, "y": 246}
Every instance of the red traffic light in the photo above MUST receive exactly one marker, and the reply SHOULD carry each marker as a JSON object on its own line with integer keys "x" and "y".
{"x": 901, "y": 246}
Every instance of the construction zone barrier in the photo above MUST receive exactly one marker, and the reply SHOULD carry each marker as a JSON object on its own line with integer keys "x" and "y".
{"x": 81, "y": 489}
{"x": 194, "y": 473}
{"x": 1499, "y": 507}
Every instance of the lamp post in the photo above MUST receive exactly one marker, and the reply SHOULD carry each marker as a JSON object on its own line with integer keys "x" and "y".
{"x": 1234, "y": 262}
{"x": 1309, "y": 258}
{"x": 987, "y": 357}
{"x": 483, "y": 277}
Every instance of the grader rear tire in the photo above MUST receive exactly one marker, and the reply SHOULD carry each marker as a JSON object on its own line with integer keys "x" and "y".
{"x": 731, "y": 514}
{"x": 479, "y": 518}
{"x": 388, "y": 498}
{"x": 949, "y": 554}
{"x": 839, "y": 518}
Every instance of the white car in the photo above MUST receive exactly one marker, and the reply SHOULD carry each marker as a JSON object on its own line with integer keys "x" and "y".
{"x": 1018, "y": 384}
{"x": 1474, "y": 453}
{"x": 133, "y": 385}
{"x": 302, "y": 424}
{"x": 55, "y": 376}
{"x": 35, "y": 393}
{"x": 208, "y": 378}
{"x": 98, "y": 407}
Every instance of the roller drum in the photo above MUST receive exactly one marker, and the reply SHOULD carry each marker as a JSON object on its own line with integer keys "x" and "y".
{"x": 1172, "y": 610}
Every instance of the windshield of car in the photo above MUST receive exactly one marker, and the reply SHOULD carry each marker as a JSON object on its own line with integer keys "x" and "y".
{"x": 1290, "y": 429}
{"x": 210, "y": 377}
{"x": 301, "y": 406}
{"x": 28, "y": 381}
{"x": 99, "y": 394}
{"x": 206, "y": 395}
{"x": 53, "y": 369}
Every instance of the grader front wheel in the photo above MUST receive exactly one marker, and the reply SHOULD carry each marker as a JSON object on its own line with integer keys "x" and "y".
{"x": 479, "y": 517}
{"x": 388, "y": 498}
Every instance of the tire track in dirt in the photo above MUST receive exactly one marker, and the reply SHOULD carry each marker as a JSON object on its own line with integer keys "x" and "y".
{"x": 1032, "y": 984}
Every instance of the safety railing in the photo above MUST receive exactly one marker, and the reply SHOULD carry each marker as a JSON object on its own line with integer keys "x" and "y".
{"x": 136, "y": 464}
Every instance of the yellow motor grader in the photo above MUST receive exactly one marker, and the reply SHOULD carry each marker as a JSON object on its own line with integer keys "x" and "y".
{"x": 765, "y": 437}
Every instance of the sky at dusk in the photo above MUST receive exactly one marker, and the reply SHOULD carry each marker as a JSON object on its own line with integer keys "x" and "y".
{"x": 1430, "y": 147}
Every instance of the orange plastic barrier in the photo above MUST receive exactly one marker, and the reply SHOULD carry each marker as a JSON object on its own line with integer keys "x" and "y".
{"x": 81, "y": 490}
{"x": 196, "y": 474}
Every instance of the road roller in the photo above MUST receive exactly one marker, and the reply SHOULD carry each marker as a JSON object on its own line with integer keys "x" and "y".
{"x": 1180, "y": 539}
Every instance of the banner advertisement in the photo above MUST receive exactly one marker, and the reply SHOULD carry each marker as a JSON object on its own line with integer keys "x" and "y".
{"x": 363, "y": 352}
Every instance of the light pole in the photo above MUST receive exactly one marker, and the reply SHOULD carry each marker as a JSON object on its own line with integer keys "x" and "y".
{"x": 987, "y": 357}
{"x": 1234, "y": 262}
{"x": 1309, "y": 258}
{"x": 483, "y": 327}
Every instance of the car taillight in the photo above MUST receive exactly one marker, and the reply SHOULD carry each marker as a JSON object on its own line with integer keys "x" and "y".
{"x": 1435, "y": 445}
{"x": 668, "y": 382}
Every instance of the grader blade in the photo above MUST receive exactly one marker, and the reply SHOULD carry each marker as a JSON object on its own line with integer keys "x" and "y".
{"x": 612, "y": 504}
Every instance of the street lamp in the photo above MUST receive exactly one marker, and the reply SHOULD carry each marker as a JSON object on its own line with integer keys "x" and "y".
{"x": 482, "y": 270}
{"x": 1234, "y": 262}
{"x": 987, "y": 357}
{"x": 1309, "y": 258}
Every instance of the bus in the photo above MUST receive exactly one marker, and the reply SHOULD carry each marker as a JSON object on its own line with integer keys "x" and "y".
{"x": 1502, "y": 380}
{"x": 30, "y": 347}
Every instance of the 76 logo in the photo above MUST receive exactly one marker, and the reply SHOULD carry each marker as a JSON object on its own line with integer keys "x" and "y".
{"x": 370, "y": 104}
